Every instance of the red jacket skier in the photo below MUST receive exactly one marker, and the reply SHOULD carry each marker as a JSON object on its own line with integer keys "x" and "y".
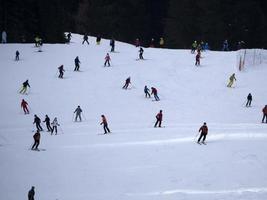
{"x": 197, "y": 59}
{"x": 159, "y": 119}
{"x": 105, "y": 124}
{"x": 24, "y": 105}
{"x": 204, "y": 131}
{"x": 155, "y": 92}
{"x": 107, "y": 59}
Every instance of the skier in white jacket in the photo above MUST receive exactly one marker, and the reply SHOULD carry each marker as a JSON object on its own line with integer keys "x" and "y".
{"x": 54, "y": 126}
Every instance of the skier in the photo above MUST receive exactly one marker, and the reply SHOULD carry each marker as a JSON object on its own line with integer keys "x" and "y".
{"x": 17, "y": 55}
{"x": 24, "y": 105}
{"x": 24, "y": 87}
{"x": 112, "y": 44}
{"x": 69, "y": 37}
{"x": 152, "y": 43}
{"x": 231, "y": 80}
{"x": 225, "y": 46}
{"x": 38, "y": 41}
{"x": 264, "y": 111}
{"x": 206, "y": 47}
{"x": 47, "y": 123}
{"x": 249, "y": 99}
{"x": 161, "y": 42}
{"x": 31, "y": 194}
{"x": 202, "y": 44}
{"x": 146, "y": 90}
{"x": 137, "y": 42}
{"x": 4, "y": 37}
{"x": 197, "y": 63}
{"x": 155, "y": 92}
{"x": 98, "y": 39}
{"x": 61, "y": 71}
{"x": 78, "y": 112}
{"x": 77, "y": 64}
{"x": 37, "y": 122}
{"x": 85, "y": 38}
{"x": 105, "y": 124}
{"x": 194, "y": 47}
{"x": 36, "y": 138}
{"x": 204, "y": 131}
{"x": 107, "y": 59}
{"x": 159, "y": 119}
{"x": 141, "y": 51}
{"x": 127, "y": 82}
{"x": 54, "y": 124}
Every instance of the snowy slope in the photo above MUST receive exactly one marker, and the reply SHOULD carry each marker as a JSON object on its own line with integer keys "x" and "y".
{"x": 136, "y": 161}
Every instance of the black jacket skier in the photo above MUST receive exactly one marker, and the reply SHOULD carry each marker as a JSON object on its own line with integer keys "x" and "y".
{"x": 61, "y": 71}
{"x": 31, "y": 194}
{"x": 146, "y": 90}
{"x": 37, "y": 121}
{"x": 77, "y": 64}
{"x": 85, "y": 38}
{"x": 249, "y": 100}
{"x": 24, "y": 87}
{"x": 141, "y": 51}
{"x": 112, "y": 44}
{"x": 47, "y": 123}
{"x": 17, "y": 55}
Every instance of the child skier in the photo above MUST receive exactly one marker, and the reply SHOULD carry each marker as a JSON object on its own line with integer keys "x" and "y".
{"x": 24, "y": 105}
{"x": 159, "y": 119}
{"x": 37, "y": 122}
{"x": 77, "y": 64}
{"x": 146, "y": 90}
{"x": 249, "y": 100}
{"x": 155, "y": 92}
{"x": 36, "y": 138}
{"x": 127, "y": 82}
{"x": 231, "y": 80}
{"x": 17, "y": 55}
{"x": 141, "y": 51}
{"x": 54, "y": 126}
{"x": 78, "y": 112}
{"x": 24, "y": 87}
{"x": 47, "y": 123}
{"x": 204, "y": 131}
{"x": 225, "y": 46}
{"x": 61, "y": 71}
{"x": 105, "y": 124}
{"x": 197, "y": 63}
{"x": 107, "y": 59}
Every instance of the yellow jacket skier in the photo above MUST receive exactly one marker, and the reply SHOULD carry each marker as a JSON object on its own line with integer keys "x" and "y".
{"x": 231, "y": 80}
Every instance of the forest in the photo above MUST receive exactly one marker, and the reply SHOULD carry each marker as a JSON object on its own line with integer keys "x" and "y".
{"x": 179, "y": 22}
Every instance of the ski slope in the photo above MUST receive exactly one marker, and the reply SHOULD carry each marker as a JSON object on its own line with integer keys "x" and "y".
{"x": 135, "y": 161}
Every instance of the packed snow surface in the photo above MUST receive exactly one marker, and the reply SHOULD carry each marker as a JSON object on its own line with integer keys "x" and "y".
{"x": 136, "y": 161}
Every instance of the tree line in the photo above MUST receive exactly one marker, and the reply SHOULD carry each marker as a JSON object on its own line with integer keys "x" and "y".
{"x": 179, "y": 22}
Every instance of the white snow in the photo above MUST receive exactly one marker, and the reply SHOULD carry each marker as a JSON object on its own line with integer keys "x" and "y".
{"x": 135, "y": 161}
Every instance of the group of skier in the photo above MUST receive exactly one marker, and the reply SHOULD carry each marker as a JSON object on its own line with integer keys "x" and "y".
{"x": 51, "y": 127}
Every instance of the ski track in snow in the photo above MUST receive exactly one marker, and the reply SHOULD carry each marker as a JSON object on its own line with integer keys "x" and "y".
{"x": 202, "y": 192}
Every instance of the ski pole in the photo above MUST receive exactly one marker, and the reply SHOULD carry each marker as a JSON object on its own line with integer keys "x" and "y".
{"x": 84, "y": 117}
{"x": 73, "y": 117}
{"x": 196, "y": 136}
{"x": 61, "y": 130}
